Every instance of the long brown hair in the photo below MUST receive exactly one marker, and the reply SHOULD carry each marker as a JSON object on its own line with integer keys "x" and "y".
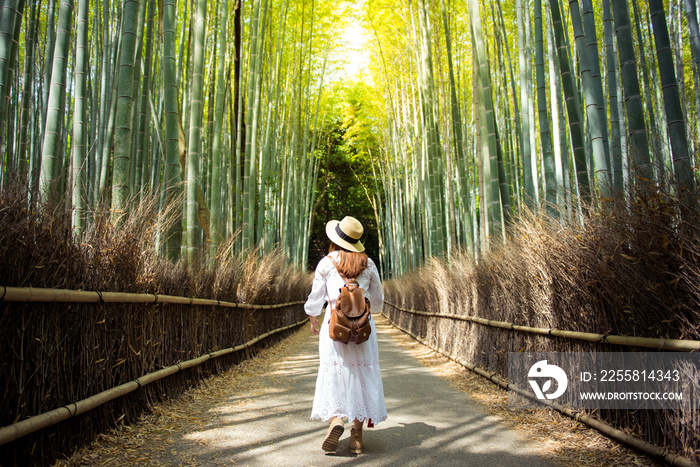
{"x": 350, "y": 263}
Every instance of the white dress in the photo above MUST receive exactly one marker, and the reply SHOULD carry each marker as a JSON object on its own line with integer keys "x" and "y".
{"x": 349, "y": 383}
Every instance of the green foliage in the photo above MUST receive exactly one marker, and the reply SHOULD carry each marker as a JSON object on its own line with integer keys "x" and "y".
{"x": 346, "y": 181}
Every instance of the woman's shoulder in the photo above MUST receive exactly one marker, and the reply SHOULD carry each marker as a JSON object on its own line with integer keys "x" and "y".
{"x": 325, "y": 264}
{"x": 371, "y": 267}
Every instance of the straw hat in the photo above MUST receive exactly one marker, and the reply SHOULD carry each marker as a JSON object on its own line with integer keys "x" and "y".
{"x": 346, "y": 233}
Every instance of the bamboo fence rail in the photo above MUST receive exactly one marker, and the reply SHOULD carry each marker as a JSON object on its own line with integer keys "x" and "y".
{"x": 618, "y": 435}
{"x": 648, "y": 342}
{"x": 33, "y": 294}
{"x": 22, "y": 428}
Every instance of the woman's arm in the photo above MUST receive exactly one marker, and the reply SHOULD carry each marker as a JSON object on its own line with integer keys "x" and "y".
{"x": 375, "y": 291}
{"x": 317, "y": 298}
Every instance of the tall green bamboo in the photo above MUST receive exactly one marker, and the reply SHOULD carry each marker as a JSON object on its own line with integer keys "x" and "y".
{"x": 519, "y": 137}
{"x": 595, "y": 125}
{"x": 10, "y": 15}
{"x": 637, "y": 134}
{"x": 110, "y": 119}
{"x": 27, "y": 90}
{"x": 215, "y": 225}
{"x": 612, "y": 79}
{"x": 270, "y": 146}
{"x": 433, "y": 156}
{"x": 256, "y": 156}
{"x": 559, "y": 133}
{"x": 265, "y": 203}
{"x": 11, "y": 111}
{"x": 656, "y": 151}
{"x": 455, "y": 111}
{"x": 314, "y": 163}
{"x": 573, "y": 107}
{"x": 691, "y": 10}
{"x": 543, "y": 114}
{"x": 592, "y": 45}
{"x": 239, "y": 142}
{"x": 125, "y": 99}
{"x": 489, "y": 143}
{"x": 531, "y": 195}
{"x": 511, "y": 179}
{"x": 195, "y": 133}
{"x": 79, "y": 116}
{"x": 173, "y": 172}
{"x": 54, "y": 115}
{"x": 251, "y": 116}
{"x": 143, "y": 136}
{"x": 530, "y": 105}
{"x": 672, "y": 102}
{"x": 102, "y": 153}
{"x": 48, "y": 61}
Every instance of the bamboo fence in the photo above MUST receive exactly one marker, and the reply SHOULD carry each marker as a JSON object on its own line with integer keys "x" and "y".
{"x": 106, "y": 349}
{"x": 33, "y": 294}
{"x": 680, "y": 345}
{"x": 618, "y": 435}
{"x": 456, "y": 343}
{"x": 30, "y": 425}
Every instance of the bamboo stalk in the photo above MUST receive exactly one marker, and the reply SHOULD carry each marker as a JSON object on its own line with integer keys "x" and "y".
{"x": 658, "y": 343}
{"x": 620, "y": 436}
{"x": 30, "y": 425}
{"x": 32, "y": 294}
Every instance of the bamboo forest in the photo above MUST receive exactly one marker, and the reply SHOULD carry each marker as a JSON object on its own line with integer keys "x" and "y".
{"x": 455, "y": 121}
{"x": 529, "y": 163}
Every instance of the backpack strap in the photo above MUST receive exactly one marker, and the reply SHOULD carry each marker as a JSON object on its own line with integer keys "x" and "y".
{"x": 336, "y": 267}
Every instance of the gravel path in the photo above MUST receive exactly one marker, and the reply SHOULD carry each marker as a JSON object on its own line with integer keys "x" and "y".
{"x": 258, "y": 414}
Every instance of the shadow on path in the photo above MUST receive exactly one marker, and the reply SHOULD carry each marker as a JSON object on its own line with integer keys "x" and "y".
{"x": 430, "y": 422}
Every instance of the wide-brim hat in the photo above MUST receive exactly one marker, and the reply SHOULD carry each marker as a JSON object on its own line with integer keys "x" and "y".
{"x": 346, "y": 233}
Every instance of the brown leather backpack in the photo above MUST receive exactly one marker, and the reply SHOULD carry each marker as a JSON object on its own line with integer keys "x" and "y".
{"x": 350, "y": 319}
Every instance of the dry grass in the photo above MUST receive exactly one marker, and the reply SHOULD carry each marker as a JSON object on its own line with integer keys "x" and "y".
{"x": 627, "y": 270}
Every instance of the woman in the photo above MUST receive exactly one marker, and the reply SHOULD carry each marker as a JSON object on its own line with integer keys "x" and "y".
{"x": 349, "y": 383}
